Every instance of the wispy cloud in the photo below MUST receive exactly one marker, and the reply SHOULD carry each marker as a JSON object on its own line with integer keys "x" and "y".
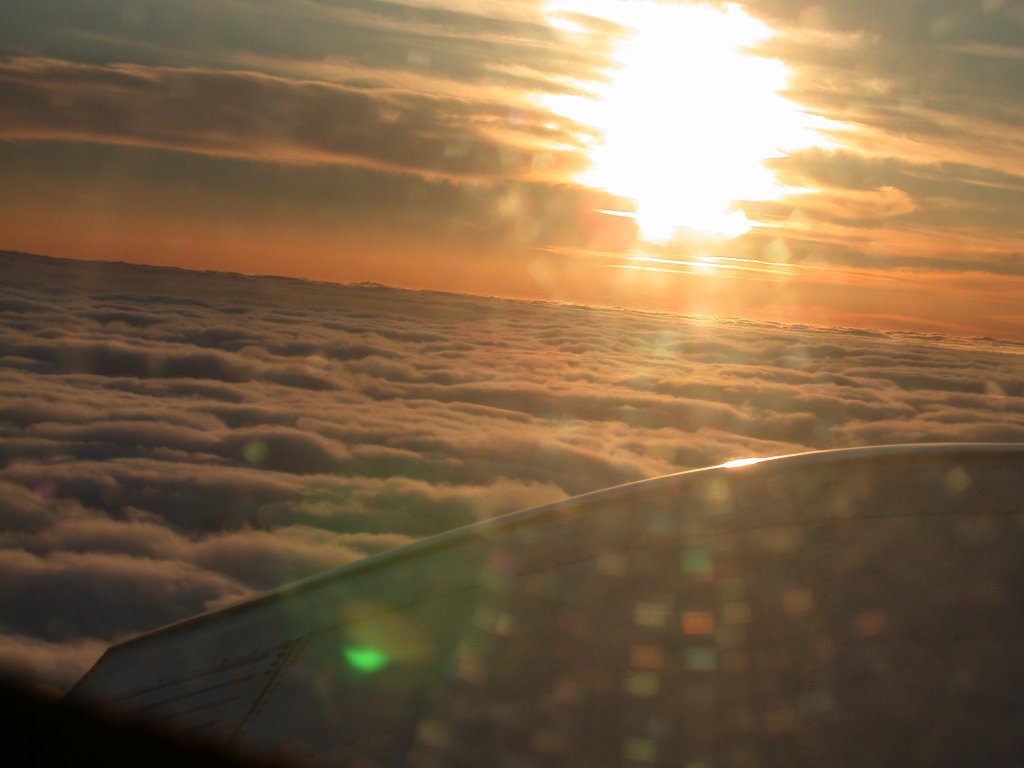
{"x": 261, "y": 117}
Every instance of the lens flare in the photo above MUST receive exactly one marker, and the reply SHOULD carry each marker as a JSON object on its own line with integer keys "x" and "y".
{"x": 366, "y": 659}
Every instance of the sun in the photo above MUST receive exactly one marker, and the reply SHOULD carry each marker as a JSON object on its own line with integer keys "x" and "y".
{"x": 689, "y": 116}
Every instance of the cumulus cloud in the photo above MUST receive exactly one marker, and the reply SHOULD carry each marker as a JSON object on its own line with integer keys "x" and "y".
{"x": 52, "y": 667}
{"x": 151, "y": 592}
{"x": 174, "y": 441}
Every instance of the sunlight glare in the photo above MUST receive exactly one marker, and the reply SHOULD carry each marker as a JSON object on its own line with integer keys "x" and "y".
{"x": 737, "y": 463}
{"x": 689, "y": 116}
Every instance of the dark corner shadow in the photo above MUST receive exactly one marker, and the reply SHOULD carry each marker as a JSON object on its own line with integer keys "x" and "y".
{"x": 40, "y": 730}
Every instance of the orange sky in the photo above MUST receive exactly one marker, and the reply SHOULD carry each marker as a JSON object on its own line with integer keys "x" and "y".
{"x": 451, "y": 146}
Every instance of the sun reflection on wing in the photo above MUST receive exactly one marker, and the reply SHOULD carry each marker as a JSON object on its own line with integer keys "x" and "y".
{"x": 689, "y": 116}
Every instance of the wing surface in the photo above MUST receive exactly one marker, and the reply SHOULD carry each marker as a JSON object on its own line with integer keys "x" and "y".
{"x": 843, "y": 608}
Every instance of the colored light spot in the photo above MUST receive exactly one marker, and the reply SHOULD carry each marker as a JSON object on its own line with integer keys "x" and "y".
{"x": 661, "y": 523}
{"x": 434, "y": 733}
{"x": 47, "y": 489}
{"x": 505, "y": 625}
{"x": 871, "y": 624}
{"x": 646, "y": 657}
{"x": 718, "y": 495}
{"x": 366, "y": 659}
{"x": 696, "y": 561}
{"x": 471, "y": 670}
{"x": 957, "y": 480}
{"x": 650, "y": 614}
{"x": 701, "y": 659}
{"x": 485, "y": 618}
{"x": 255, "y": 451}
{"x": 640, "y": 750}
{"x": 781, "y": 541}
{"x": 798, "y": 601}
{"x": 643, "y": 685}
{"x": 698, "y": 623}
{"x": 611, "y": 564}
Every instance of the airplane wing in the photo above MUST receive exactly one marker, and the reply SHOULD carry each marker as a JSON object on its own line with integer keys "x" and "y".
{"x": 860, "y": 607}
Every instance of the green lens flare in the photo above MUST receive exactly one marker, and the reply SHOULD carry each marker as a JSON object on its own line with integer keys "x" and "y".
{"x": 366, "y": 659}
{"x": 255, "y": 451}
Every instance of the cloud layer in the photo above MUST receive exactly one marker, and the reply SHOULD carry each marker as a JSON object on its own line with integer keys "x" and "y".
{"x": 172, "y": 441}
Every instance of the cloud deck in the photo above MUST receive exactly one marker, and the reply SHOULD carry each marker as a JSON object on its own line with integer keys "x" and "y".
{"x": 168, "y": 449}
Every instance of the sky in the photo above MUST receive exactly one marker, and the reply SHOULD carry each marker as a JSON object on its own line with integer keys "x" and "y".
{"x": 852, "y": 163}
{"x": 173, "y": 441}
